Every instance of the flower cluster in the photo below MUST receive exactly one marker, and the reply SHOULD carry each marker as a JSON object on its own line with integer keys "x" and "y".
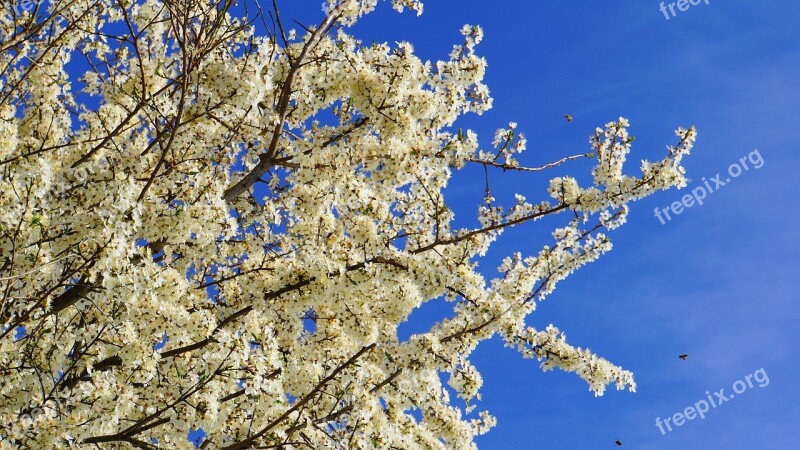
{"x": 217, "y": 229}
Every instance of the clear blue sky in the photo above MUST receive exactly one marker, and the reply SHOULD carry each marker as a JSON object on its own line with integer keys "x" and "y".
{"x": 719, "y": 282}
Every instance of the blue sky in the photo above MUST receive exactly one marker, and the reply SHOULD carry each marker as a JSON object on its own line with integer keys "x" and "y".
{"x": 718, "y": 282}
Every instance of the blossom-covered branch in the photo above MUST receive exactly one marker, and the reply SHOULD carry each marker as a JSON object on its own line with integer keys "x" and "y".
{"x": 221, "y": 222}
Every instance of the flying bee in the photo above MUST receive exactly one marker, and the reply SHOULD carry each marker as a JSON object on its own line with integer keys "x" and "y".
{"x": 568, "y": 117}
{"x": 683, "y": 356}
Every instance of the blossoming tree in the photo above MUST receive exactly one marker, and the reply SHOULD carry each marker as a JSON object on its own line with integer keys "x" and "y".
{"x": 173, "y": 218}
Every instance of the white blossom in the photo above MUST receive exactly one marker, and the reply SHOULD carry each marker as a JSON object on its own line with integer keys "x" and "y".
{"x": 222, "y": 230}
